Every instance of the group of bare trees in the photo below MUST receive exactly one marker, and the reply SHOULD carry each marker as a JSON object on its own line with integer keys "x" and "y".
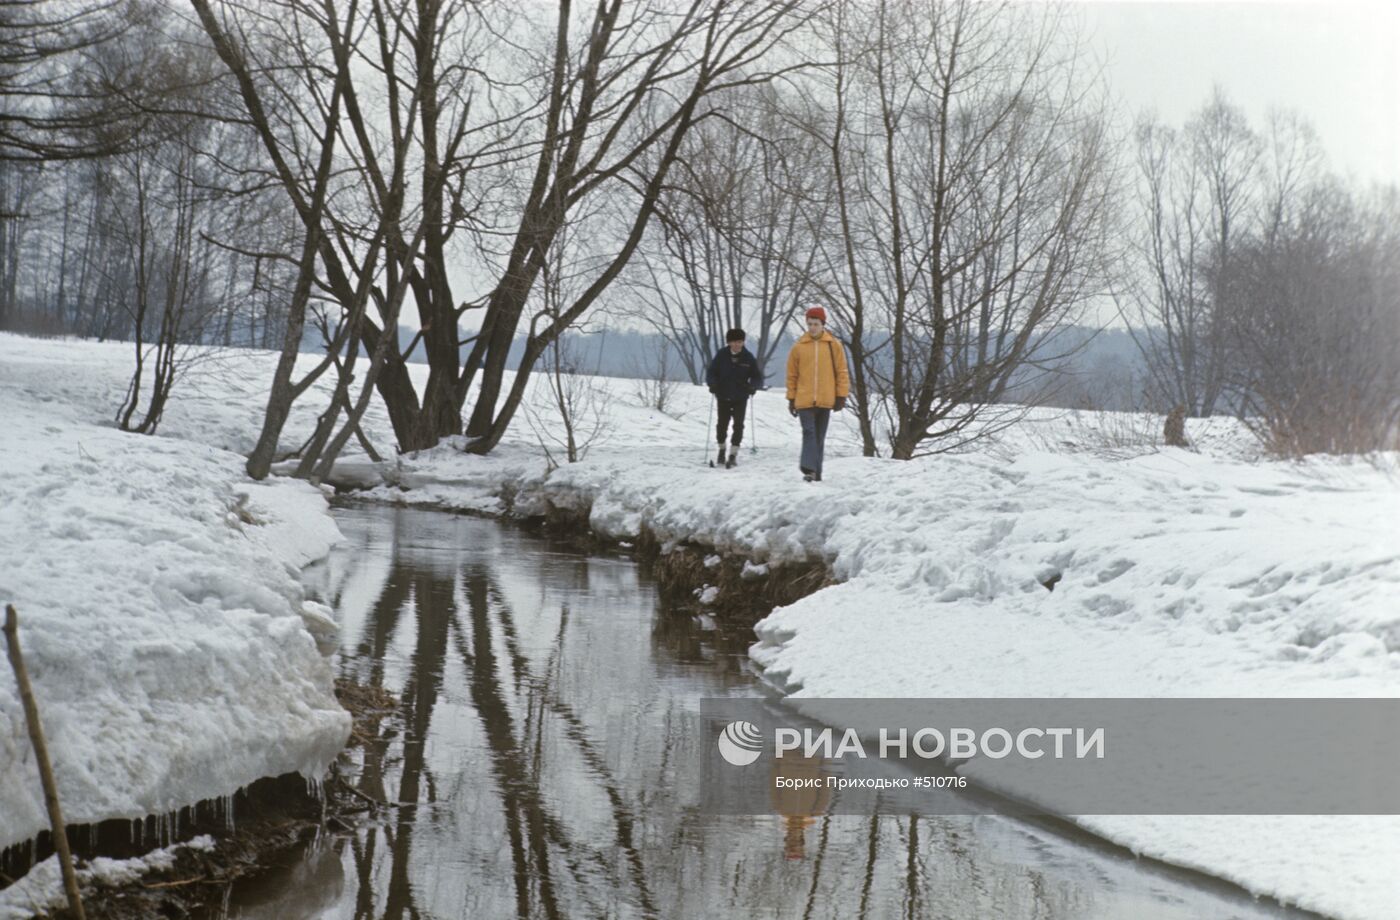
{"x": 940, "y": 178}
{"x": 458, "y": 183}
{"x": 963, "y": 221}
{"x": 117, "y": 196}
{"x": 443, "y": 134}
{"x": 1264, "y": 286}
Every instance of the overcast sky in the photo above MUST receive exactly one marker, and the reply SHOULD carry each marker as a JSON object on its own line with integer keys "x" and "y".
{"x": 1336, "y": 62}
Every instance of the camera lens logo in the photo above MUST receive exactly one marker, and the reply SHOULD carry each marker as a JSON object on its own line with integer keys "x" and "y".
{"x": 740, "y": 743}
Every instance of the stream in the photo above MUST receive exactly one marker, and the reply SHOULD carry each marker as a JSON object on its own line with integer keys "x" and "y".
{"x": 539, "y": 741}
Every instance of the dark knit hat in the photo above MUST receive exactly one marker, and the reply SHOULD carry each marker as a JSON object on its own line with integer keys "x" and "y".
{"x": 735, "y": 335}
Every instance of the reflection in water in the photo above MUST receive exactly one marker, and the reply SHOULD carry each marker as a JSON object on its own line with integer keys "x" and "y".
{"x": 540, "y": 764}
{"x": 799, "y": 806}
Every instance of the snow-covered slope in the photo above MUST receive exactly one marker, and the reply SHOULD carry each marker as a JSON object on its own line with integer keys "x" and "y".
{"x": 162, "y": 621}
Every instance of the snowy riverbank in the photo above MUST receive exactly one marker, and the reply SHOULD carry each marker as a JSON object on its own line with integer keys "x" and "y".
{"x": 161, "y": 617}
{"x": 1179, "y": 573}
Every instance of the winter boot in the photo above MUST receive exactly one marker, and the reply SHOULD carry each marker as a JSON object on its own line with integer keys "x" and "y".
{"x": 719, "y": 459}
{"x": 733, "y": 457}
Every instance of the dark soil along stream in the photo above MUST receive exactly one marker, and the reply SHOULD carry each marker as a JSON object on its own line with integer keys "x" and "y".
{"x": 536, "y": 763}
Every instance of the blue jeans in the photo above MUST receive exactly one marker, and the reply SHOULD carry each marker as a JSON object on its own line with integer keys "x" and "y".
{"x": 814, "y": 422}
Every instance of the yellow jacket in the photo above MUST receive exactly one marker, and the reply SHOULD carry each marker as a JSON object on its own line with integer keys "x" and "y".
{"x": 816, "y": 372}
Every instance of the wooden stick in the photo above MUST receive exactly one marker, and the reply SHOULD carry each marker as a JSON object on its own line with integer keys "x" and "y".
{"x": 41, "y": 754}
{"x": 375, "y": 803}
{"x": 177, "y": 883}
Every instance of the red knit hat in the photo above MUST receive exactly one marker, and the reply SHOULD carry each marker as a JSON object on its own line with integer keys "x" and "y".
{"x": 816, "y": 313}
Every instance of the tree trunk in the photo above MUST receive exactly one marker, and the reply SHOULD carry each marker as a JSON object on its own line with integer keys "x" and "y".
{"x": 282, "y": 394}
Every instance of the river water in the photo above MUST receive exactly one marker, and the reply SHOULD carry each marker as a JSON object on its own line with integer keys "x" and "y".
{"x": 541, "y": 741}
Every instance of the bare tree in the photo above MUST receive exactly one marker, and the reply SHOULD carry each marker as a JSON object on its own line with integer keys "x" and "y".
{"x": 731, "y": 237}
{"x": 72, "y": 222}
{"x": 170, "y": 276}
{"x": 618, "y": 110}
{"x": 20, "y": 184}
{"x": 163, "y": 199}
{"x": 824, "y": 117}
{"x": 1197, "y": 191}
{"x": 971, "y": 163}
{"x": 655, "y": 382}
{"x": 568, "y": 410}
{"x": 369, "y": 233}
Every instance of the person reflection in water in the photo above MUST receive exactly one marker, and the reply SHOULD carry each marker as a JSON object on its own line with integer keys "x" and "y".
{"x": 799, "y": 806}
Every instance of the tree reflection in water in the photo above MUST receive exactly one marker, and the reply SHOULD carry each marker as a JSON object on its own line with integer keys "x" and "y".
{"x": 464, "y": 613}
{"x": 540, "y": 756}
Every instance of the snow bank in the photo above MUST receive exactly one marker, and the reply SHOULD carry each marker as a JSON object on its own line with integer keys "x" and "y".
{"x": 162, "y": 621}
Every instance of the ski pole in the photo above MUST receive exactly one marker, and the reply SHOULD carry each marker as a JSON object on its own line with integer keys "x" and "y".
{"x": 753, "y": 424}
{"x": 708, "y": 416}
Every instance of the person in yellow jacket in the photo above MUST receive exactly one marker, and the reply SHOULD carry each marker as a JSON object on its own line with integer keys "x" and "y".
{"x": 817, "y": 383}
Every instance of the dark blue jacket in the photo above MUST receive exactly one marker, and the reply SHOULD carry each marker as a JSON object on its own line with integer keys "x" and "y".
{"x": 732, "y": 377}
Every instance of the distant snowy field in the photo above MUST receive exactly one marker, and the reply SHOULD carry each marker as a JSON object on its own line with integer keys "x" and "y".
{"x": 1181, "y": 573}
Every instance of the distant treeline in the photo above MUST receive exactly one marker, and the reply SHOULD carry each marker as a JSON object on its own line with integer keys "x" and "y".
{"x": 1103, "y": 369}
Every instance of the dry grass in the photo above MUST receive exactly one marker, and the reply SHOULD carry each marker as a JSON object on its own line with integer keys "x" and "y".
{"x": 367, "y": 705}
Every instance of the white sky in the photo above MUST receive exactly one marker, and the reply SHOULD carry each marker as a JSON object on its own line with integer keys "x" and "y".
{"x": 1338, "y": 63}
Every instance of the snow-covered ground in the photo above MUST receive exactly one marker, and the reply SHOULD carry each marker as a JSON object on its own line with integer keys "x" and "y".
{"x": 161, "y": 617}
{"x": 1180, "y": 573}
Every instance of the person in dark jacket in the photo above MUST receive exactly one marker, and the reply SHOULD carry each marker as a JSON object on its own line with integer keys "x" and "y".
{"x": 733, "y": 377}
